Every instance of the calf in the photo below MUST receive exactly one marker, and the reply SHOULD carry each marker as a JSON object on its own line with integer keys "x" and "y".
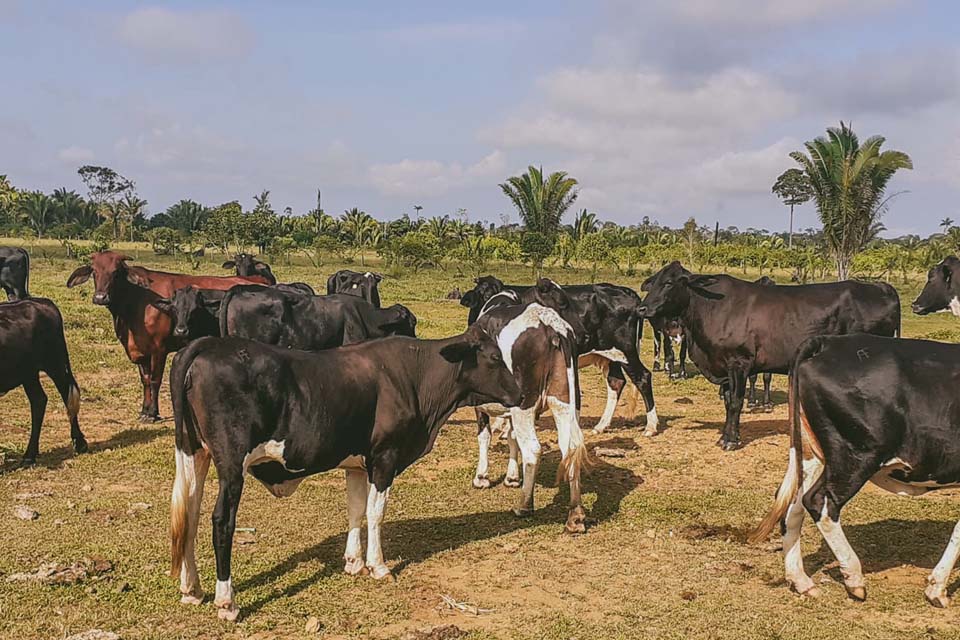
{"x": 31, "y": 341}
{"x": 737, "y": 328}
{"x": 195, "y": 312}
{"x": 311, "y": 323}
{"x": 865, "y": 408}
{"x": 666, "y": 335}
{"x": 608, "y": 322}
{"x": 281, "y": 415}
{"x": 353, "y": 283}
{"x": 942, "y": 289}
{"x": 539, "y": 348}
{"x": 144, "y": 331}
{"x": 15, "y": 272}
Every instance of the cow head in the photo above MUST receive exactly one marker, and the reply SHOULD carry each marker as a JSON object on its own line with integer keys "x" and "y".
{"x": 483, "y": 375}
{"x": 109, "y": 270}
{"x": 669, "y": 290}
{"x": 247, "y": 265}
{"x": 186, "y": 307}
{"x": 474, "y": 299}
{"x": 363, "y": 285}
{"x": 399, "y": 321}
{"x": 942, "y": 290}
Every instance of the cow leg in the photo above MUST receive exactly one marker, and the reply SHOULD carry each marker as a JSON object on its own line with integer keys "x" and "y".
{"x": 512, "y": 478}
{"x": 613, "y": 374}
{"x": 480, "y": 480}
{"x": 936, "y": 591}
{"x": 669, "y": 358}
{"x": 524, "y": 431}
{"x": 224, "y": 524}
{"x": 381, "y": 476}
{"x": 752, "y": 394}
{"x": 70, "y": 392}
{"x": 357, "y": 488}
{"x": 767, "y": 400}
{"x": 190, "y": 588}
{"x": 38, "y": 407}
{"x": 157, "y": 364}
{"x": 657, "y": 337}
{"x": 643, "y": 379}
{"x": 793, "y": 522}
{"x": 683, "y": 356}
{"x": 573, "y": 452}
{"x": 144, "y": 368}
{"x": 733, "y": 397}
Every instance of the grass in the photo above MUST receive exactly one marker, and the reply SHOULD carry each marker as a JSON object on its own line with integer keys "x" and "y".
{"x": 663, "y": 558}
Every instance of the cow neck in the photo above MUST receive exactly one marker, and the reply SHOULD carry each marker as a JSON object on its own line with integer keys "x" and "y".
{"x": 439, "y": 393}
{"x": 692, "y": 318}
{"x": 130, "y": 299}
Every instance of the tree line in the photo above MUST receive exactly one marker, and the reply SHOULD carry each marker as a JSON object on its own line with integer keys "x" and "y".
{"x": 845, "y": 179}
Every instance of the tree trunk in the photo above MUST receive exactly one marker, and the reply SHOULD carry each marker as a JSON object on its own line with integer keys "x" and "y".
{"x": 843, "y": 268}
{"x": 790, "y": 242}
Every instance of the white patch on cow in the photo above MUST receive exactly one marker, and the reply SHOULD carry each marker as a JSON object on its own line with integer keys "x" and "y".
{"x": 368, "y": 275}
{"x": 608, "y": 410}
{"x": 955, "y": 306}
{"x": 357, "y": 487}
{"x": 792, "y": 555}
{"x": 610, "y": 354}
{"x": 533, "y": 316}
{"x": 480, "y": 479}
{"x": 849, "y": 562}
{"x": 677, "y": 340}
{"x": 354, "y": 285}
{"x": 272, "y": 451}
{"x": 509, "y": 295}
{"x": 223, "y": 600}
{"x": 376, "y": 508}
{"x": 936, "y": 592}
{"x": 653, "y": 423}
{"x": 885, "y": 480}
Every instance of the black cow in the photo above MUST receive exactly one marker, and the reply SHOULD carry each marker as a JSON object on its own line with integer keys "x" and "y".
{"x": 942, "y": 290}
{"x": 296, "y": 321}
{"x": 372, "y": 409}
{"x": 353, "y": 283}
{"x": 195, "y": 312}
{"x": 31, "y": 341}
{"x": 540, "y": 349}
{"x": 737, "y": 328}
{"x": 608, "y": 321}
{"x": 866, "y": 408}
{"x": 247, "y": 265}
{"x": 15, "y": 272}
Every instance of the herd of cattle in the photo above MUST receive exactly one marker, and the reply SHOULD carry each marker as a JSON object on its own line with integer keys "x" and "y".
{"x": 274, "y": 381}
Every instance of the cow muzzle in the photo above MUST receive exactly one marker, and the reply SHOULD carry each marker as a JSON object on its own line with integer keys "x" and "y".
{"x": 101, "y": 298}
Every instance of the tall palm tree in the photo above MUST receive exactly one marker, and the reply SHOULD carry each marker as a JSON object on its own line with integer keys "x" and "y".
{"x": 541, "y": 202}
{"x": 38, "y": 211}
{"x": 126, "y": 212}
{"x": 439, "y": 227}
{"x": 187, "y": 216}
{"x": 68, "y": 205}
{"x": 359, "y": 226}
{"x": 946, "y": 223}
{"x": 849, "y": 180}
{"x": 585, "y": 222}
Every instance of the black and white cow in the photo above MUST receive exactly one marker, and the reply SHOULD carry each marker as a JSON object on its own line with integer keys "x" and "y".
{"x": 15, "y": 272}
{"x": 356, "y": 284}
{"x": 737, "y": 328}
{"x": 608, "y": 321}
{"x": 297, "y": 321}
{"x": 942, "y": 290}
{"x": 866, "y": 408}
{"x": 539, "y": 347}
{"x": 31, "y": 341}
{"x": 281, "y": 415}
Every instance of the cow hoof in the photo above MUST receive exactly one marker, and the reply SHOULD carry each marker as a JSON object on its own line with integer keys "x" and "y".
{"x": 380, "y": 572}
{"x": 191, "y": 599}
{"x": 80, "y": 446}
{"x": 354, "y": 566}
{"x": 656, "y": 366}
{"x": 513, "y": 483}
{"x": 598, "y": 430}
{"x": 729, "y": 445}
{"x": 523, "y": 512}
{"x": 147, "y": 418}
{"x": 768, "y": 408}
{"x": 649, "y": 433}
{"x": 229, "y": 613}
{"x": 576, "y": 521}
{"x": 936, "y": 597}
{"x": 27, "y": 462}
{"x": 857, "y": 593}
{"x": 481, "y": 482}
{"x": 812, "y": 592}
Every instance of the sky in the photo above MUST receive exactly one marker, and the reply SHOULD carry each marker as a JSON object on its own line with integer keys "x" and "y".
{"x": 662, "y": 108}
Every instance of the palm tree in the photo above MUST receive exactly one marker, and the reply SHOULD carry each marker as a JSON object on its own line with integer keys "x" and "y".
{"x": 439, "y": 227}
{"x": 359, "y": 226}
{"x": 541, "y": 203}
{"x": 946, "y": 223}
{"x": 68, "y": 205}
{"x": 187, "y": 216}
{"x": 126, "y": 212}
{"x": 38, "y": 210}
{"x": 418, "y": 208}
{"x": 585, "y": 223}
{"x": 849, "y": 180}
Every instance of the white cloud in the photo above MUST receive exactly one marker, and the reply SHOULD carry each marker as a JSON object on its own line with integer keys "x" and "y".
{"x": 766, "y": 14}
{"x": 455, "y": 31}
{"x": 433, "y": 178}
{"x": 749, "y": 172}
{"x": 75, "y": 155}
{"x": 187, "y": 35}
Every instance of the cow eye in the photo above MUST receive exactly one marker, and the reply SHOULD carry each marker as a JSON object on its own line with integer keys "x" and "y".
{"x": 496, "y": 357}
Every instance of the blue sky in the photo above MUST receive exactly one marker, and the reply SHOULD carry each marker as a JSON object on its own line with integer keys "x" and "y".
{"x": 663, "y": 108}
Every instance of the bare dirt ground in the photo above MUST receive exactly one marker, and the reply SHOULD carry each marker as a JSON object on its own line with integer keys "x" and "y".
{"x": 664, "y": 556}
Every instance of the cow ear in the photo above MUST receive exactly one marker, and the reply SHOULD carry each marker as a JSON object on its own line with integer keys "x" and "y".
{"x": 137, "y": 279}
{"x": 469, "y": 298}
{"x": 947, "y": 273}
{"x": 79, "y": 276}
{"x": 460, "y": 351}
{"x": 378, "y": 277}
{"x": 163, "y": 304}
{"x": 229, "y": 264}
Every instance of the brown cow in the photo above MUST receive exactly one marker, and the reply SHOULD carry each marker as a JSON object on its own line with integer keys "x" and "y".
{"x": 144, "y": 331}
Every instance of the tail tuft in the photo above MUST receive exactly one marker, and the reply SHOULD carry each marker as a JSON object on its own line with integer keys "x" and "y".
{"x": 785, "y": 495}
{"x": 73, "y": 401}
{"x": 576, "y": 461}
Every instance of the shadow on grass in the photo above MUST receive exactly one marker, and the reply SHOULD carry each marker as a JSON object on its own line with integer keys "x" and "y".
{"x": 54, "y": 458}
{"x": 750, "y": 430}
{"x": 417, "y": 539}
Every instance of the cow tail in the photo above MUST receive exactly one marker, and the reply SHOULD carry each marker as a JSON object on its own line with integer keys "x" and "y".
{"x": 26, "y": 281}
{"x": 630, "y": 390}
{"x": 793, "y": 476}
{"x": 185, "y": 484}
{"x": 224, "y": 307}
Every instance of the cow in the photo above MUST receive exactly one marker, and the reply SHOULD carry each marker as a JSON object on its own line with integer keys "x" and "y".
{"x": 737, "y": 328}
{"x": 942, "y": 290}
{"x": 247, "y": 265}
{"x": 144, "y": 331}
{"x": 608, "y": 321}
{"x": 666, "y": 335}
{"x": 353, "y": 283}
{"x": 866, "y": 408}
{"x": 372, "y": 409}
{"x": 540, "y": 350}
{"x": 31, "y": 341}
{"x": 195, "y": 312}
{"x": 15, "y": 272}
{"x": 296, "y": 321}
{"x": 752, "y": 401}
